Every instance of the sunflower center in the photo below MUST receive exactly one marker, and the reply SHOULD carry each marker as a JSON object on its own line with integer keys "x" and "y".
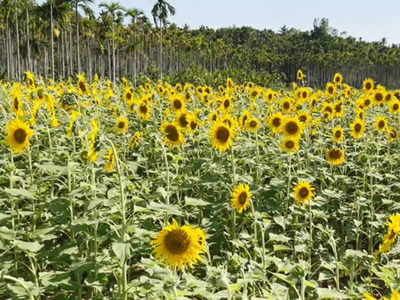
{"x": 254, "y": 94}
{"x": 330, "y": 90}
{"x": 286, "y": 105}
{"x": 335, "y": 154}
{"x": 395, "y": 106}
{"x": 338, "y": 133}
{"x": 289, "y": 144}
{"x": 244, "y": 120}
{"x": 303, "y": 192}
{"x": 177, "y": 104}
{"x": 183, "y": 120}
{"x": 222, "y": 134}
{"x": 357, "y": 127}
{"x": 367, "y": 102}
{"x": 128, "y": 96}
{"x": 242, "y": 198}
{"x": 304, "y": 95}
{"x": 82, "y": 86}
{"x": 172, "y": 133}
{"x": 253, "y": 124}
{"x": 226, "y": 103}
{"x": 291, "y": 127}
{"x": 121, "y": 125}
{"x": 20, "y": 135}
{"x": 381, "y": 124}
{"x": 16, "y": 104}
{"x": 338, "y": 108}
{"x": 303, "y": 118}
{"x": 368, "y": 86}
{"x": 378, "y": 97}
{"x": 177, "y": 241}
{"x": 393, "y": 134}
{"x": 193, "y": 125}
{"x": 276, "y": 122}
{"x": 143, "y": 109}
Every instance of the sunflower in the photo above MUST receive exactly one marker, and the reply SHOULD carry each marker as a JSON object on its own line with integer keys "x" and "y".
{"x": 290, "y": 144}
{"x": 221, "y": 136}
{"x": 381, "y": 123}
{"x": 335, "y": 157}
{"x": 337, "y": 134}
{"x": 179, "y": 246}
{"x": 275, "y": 121}
{"x": 230, "y": 121}
{"x": 110, "y": 161}
{"x": 394, "y": 106}
{"x": 94, "y": 146}
{"x": 121, "y": 125}
{"x": 286, "y": 105}
{"x": 392, "y": 134}
{"x": 367, "y": 102}
{"x": 183, "y": 119}
{"x": 177, "y": 103}
{"x": 254, "y": 93}
{"x": 338, "y": 79}
{"x": 83, "y": 88}
{"x": 18, "y": 135}
{"x": 253, "y": 124}
{"x": 368, "y": 85}
{"x": 269, "y": 95}
{"x": 172, "y": 134}
{"x": 391, "y": 235}
{"x": 357, "y": 128}
{"x": 71, "y": 127}
{"x": 244, "y": 118}
{"x": 213, "y": 116}
{"x": 134, "y": 140}
{"x": 30, "y": 79}
{"x": 16, "y": 103}
{"x": 241, "y": 197}
{"x": 330, "y": 89}
{"x": 338, "y": 109}
{"x": 300, "y": 75}
{"x": 292, "y": 127}
{"x": 379, "y": 96}
{"x": 304, "y": 117}
{"x": 303, "y": 192}
{"x": 143, "y": 109}
{"x": 128, "y": 95}
{"x": 327, "y": 111}
{"x": 226, "y": 104}
{"x": 194, "y": 122}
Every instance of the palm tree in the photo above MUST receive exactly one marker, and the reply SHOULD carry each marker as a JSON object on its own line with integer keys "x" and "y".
{"x": 134, "y": 13}
{"x": 113, "y": 9}
{"x": 160, "y": 13}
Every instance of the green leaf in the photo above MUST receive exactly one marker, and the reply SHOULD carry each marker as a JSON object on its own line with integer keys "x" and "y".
{"x": 28, "y": 246}
{"x": 325, "y": 293}
{"x": 195, "y": 202}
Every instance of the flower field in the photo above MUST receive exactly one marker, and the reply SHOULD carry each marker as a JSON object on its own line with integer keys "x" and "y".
{"x": 110, "y": 191}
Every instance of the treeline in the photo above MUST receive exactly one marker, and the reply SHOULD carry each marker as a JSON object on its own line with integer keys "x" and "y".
{"x": 60, "y": 38}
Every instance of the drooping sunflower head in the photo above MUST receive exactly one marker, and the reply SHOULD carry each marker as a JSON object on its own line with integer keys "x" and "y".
{"x": 18, "y": 135}
{"x": 357, "y": 128}
{"x": 134, "y": 140}
{"x": 241, "y": 197}
{"x": 121, "y": 125}
{"x": 335, "y": 156}
{"x": 292, "y": 127}
{"x": 368, "y": 85}
{"x": 392, "y": 134}
{"x": 221, "y": 136}
{"x": 244, "y": 118}
{"x": 179, "y": 246}
{"x": 83, "y": 88}
{"x": 300, "y": 75}
{"x": 381, "y": 123}
{"x": 290, "y": 144}
{"x": 172, "y": 134}
{"x": 337, "y": 79}
{"x": 337, "y": 134}
{"x": 303, "y": 192}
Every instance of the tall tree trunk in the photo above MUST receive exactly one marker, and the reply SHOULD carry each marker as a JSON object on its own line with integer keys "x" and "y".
{"x": 52, "y": 39}
{"x": 78, "y": 62}
{"x": 18, "y": 66}
{"x": 28, "y": 48}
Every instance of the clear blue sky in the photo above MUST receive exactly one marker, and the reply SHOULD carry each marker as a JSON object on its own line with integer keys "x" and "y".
{"x": 370, "y": 19}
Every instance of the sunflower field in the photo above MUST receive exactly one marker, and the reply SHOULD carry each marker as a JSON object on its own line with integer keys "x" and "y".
{"x": 111, "y": 191}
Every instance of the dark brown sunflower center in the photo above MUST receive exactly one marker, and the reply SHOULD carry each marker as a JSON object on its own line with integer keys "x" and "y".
{"x": 242, "y": 198}
{"x": 338, "y": 134}
{"x": 82, "y": 86}
{"x": 222, "y": 134}
{"x": 254, "y": 94}
{"x": 368, "y": 86}
{"x": 357, "y": 127}
{"x": 337, "y": 79}
{"x": 177, "y": 241}
{"x": 393, "y": 134}
{"x": 381, "y": 124}
{"x": 129, "y": 96}
{"x": 330, "y": 90}
{"x": 193, "y": 125}
{"x": 328, "y": 109}
{"x": 121, "y": 124}
{"x": 335, "y": 154}
{"x": 292, "y": 127}
{"x": 20, "y": 135}
{"x": 289, "y": 144}
{"x": 304, "y": 95}
{"x": 338, "y": 108}
{"x": 16, "y": 103}
{"x": 303, "y": 192}
{"x": 303, "y": 118}
{"x": 395, "y": 106}
{"x": 276, "y": 122}
{"x": 244, "y": 119}
{"x": 143, "y": 108}
{"x": 378, "y": 97}
{"x": 227, "y": 103}
{"x": 177, "y": 104}
{"x": 367, "y": 102}
{"x": 183, "y": 120}
{"x": 172, "y": 133}
{"x": 286, "y": 105}
{"x": 253, "y": 124}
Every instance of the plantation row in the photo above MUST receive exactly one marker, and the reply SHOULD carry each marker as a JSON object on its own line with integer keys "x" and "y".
{"x": 188, "y": 192}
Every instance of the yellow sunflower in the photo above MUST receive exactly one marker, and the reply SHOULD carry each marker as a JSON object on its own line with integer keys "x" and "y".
{"x": 357, "y": 128}
{"x": 330, "y": 90}
{"x": 226, "y": 104}
{"x": 381, "y": 123}
{"x": 338, "y": 109}
{"x": 183, "y": 119}
{"x": 172, "y": 134}
{"x": 253, "y": 124}
{"x": 241, "y": 197}
{"x": 337, "y": 134}
{"x": 71, "y": 127}
{"x": 303, "y": 192}
{"x": 292, "y": 127}
{"x": 290, "y": 144}
{"x": 177, "y": 103}
{"x": 83, "y": 88}
{"x": 110, "y": 161}
{"x": 392, "y": 134}
{"x": 368, "y": 85}
{"x": 121, "y": 125}
{"x": 338, "y": 79}
{"x": 300, "y": 75}
{"x": 134, "y": 140}
{"x": 221, "y": 136}
{"x": 286, "y": 105}
{"x": 304, "y": 117}
{"x": 327, "y": 111}
{"x": 143, "y": 110}
{"x": 274, "y": 122}
{"x": 244, "y": 118}
{"x": 335, "y": 157}
{"x": 18, "y": 135}
{"x": 394, "y": 106}
{"x": 379, "y": 96}
{"x": 179, "y": 246}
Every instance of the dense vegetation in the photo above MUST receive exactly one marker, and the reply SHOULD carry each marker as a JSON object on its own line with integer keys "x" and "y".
{"x": 61, "y": 38}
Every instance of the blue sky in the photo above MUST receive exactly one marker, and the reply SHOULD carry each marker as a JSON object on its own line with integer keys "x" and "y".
{"x": 370, "y": 19}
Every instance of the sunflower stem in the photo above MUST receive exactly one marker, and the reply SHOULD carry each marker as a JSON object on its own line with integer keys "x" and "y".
{"x": 311, "y": 235}
{"x": 288, "y": 185}
{"x": 96, "y": 224}
{"x": 31, "y": 182}
{"x": 233, "y": 166}
{"x": 168, "y": 179}
{"x": 258, "y": 159}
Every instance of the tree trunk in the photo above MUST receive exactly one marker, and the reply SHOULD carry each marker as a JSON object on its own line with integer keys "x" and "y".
{"x": 52, "y": 39}
{"x": 18, "y": 70}
{"x": 78, "y": 62}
